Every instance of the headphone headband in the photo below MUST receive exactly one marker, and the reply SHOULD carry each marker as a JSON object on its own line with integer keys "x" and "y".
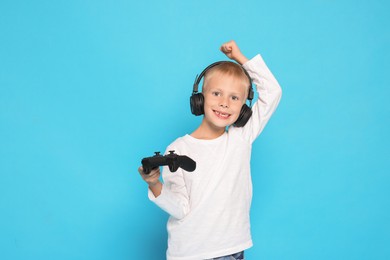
{"x": 199, "y": 77}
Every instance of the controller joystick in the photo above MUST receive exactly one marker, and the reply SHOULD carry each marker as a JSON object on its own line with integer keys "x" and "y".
{"x": 172, "y": 160}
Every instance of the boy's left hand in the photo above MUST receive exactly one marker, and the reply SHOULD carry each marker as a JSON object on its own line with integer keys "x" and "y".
{"x": 231, "y": 50}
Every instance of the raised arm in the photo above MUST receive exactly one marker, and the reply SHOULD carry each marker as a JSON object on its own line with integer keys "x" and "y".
{"x": 268, "y": 89}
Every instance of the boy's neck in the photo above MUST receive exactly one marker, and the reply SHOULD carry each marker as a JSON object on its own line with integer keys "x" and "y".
{"x": 207, "y": 132}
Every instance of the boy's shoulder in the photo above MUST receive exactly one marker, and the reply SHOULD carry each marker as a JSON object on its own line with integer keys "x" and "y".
{"x": 177, "y": 144}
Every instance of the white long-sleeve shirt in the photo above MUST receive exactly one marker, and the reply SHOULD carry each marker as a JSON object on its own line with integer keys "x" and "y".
{"x": 209, "y": 208}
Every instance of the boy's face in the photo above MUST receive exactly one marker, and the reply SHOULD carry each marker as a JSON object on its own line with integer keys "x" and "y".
{"x": 224, "y": 96}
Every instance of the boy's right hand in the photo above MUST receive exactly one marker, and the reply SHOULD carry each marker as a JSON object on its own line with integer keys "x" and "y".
{"x": 152, "y": 179}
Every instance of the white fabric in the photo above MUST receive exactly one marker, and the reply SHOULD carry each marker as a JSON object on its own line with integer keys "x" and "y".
{"x": 209, "y": 208}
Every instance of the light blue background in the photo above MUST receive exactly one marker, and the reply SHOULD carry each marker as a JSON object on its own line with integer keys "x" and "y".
{"x": 89, "y": 88}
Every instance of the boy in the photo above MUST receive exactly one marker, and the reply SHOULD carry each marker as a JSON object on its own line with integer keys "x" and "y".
{"x": 209, "y": 208}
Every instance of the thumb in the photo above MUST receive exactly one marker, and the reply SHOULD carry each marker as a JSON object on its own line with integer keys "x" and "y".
{"x": 226, "y": 48}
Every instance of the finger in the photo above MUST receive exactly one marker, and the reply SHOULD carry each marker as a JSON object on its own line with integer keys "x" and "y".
{"x": 225, "y": 49}
{"x": 143, "y": 174}
{"x": 151, "y": 174}
{"x": 154, "y": 172}
{"x": 152, "y": 178}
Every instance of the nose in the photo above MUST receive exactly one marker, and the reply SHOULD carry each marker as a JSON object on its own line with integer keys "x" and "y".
{"x": 224, "y": 102}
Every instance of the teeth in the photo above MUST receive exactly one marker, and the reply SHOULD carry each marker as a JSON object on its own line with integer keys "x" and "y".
{"x": 222, "y": 114}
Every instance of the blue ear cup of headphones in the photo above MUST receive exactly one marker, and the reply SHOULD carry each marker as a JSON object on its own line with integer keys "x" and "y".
{"x": 197, "y": 99}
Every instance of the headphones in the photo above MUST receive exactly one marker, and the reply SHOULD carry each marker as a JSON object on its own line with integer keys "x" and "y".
{"x": 197, "y": 99}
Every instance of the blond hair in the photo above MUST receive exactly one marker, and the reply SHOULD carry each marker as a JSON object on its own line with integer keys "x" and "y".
{"x": 229, "y": 69}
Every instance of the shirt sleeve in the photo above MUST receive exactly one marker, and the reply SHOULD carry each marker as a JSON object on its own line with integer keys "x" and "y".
{"x": 269, "y": 94}
{"x": 174, "y": 196}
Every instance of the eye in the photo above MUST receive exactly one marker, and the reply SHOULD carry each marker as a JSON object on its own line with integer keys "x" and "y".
{"x": 235, "y": 98}
{"x": 216, "y": 93}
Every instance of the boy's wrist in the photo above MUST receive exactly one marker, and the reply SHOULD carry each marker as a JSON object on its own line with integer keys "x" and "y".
{"x": 152, "y": 184}
{"x": 241, "y": 59}
{"x": 156, "y": 188}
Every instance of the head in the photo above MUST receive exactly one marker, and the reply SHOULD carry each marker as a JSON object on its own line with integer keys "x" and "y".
{"x": 231, "y": 70}
{"x": 225, "y": 90}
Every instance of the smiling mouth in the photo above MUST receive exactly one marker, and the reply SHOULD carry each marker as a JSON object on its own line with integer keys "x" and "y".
{"x": 221, "y": 115}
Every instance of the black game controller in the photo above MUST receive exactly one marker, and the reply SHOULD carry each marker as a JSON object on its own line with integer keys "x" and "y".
{"x": 173, "y": 161}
